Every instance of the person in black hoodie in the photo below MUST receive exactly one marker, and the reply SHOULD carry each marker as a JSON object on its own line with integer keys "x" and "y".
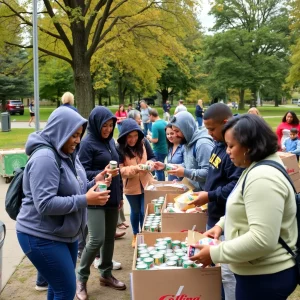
{"x": 221, "y": 179}
{"x": 97, "y": 150}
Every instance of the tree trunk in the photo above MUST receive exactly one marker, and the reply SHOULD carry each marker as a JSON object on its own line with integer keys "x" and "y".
{"x": 109, "y": 100}
{"x": 242, "y": 96}
{"x": 164, "y": 95}
{"x": 276, "y": 101}
{"x": 99, "y": 99}
{"x": 120, "y": 91}
{"x": 130, "y": 98}
{"x": 3, "y": 102}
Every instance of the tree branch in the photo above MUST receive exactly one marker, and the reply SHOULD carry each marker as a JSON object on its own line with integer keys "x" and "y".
{"x": 44, "y": 51}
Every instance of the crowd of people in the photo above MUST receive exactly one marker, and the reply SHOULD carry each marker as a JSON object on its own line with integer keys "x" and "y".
{"x": 213, "y": 149}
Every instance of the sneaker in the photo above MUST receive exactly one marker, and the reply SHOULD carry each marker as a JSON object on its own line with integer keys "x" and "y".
{"x": 29, "y": 125}
{"x": 96, "y": 262}
{"x": 116, "y": 265}
{"x": 41, "y": 288}
{"x": 133, "y": 241}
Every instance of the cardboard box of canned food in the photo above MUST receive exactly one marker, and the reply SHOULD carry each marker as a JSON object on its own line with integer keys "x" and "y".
{"x": 164, "y": 187}
{"x": 155, "y": 224}
{"x": 188, "y": 282}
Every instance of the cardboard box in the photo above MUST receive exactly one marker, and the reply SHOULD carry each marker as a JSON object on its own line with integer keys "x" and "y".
{"x": 297, "y": 185}
{"x": 150, "y": 195}
{"x": 196, "y": 284}
{"x": 290, "y": 162}
{"x": 295, "y": 176}
{"x": 176, "y": 222}
{"x": 149, "y": 210}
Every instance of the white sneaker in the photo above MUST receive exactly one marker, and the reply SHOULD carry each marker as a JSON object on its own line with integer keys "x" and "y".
{"x": 116, "y": 265}
{"x": 41, "y": 288}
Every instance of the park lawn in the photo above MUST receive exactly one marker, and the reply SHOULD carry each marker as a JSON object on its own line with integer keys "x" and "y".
{"x": 15, "y": 138}
{"x": 44, "y": 115}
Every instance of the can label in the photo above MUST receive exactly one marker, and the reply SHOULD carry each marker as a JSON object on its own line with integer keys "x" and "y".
{"x": 158, "y": 259}
{"x": 153, "y": 228}
{"x": 145, "y": 167}
{"x": 176, "y": 245}
{"x": 142, "y": 267}
{"x": 113, "y": 164}
{"x": 188, "y": 264}
{"x": 169, "y": 167}
{"x": 192, "y": 251}
{"x": 157, "y": 209}
{"x": 102, "y": 187}
{"x": 149, "y": 262}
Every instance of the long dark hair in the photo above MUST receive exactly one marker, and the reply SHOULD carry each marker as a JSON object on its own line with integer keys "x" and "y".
{"x": 170, "y": 145}
{"x": 295, "y": 118}
{"x": 131, "y": 152}
{"x": 119, "y": 110}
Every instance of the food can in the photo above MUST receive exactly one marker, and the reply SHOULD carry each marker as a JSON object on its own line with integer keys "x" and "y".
{"x": 102, "y": 187}
{"x": 151, "y": 248}
{"x": 159, "y": 240}
{"x": 176, "y": 245}
{"x": 142, "y": 246}
{"x": 142, "y": 251}
{"x": 169, "y": 167}
{"x": 144, "y": 255}
{"x": 170, "y": 250}
{"x": 171, "y": 263}
{"x": 169, "y": 242}
{"x": 178, "y": 251}
{"x": 142, "y": 267}
{"x": 113, "y": 164}
{"x": 153, "y": 228}
{"x": 151, "y": 215}
{"x": 158, "y": 259}
{"x": 174, "y": 258}
{"x": 157, "y": 208}
{"x": 147, "y": 227}
{"x": 153, "y": 201}
{"x": 161, "y": 198}
{"x": 188, "y": 264}
{"x": 163, "y": 243}
{"x": 180, "y": 258}
{"x": 161, "y": 247}
{"x": 149, "y": 262}
{"x": 156, "y": 245}
{"x": 168, "y": 255}
{"x": 153, "y": 252}
{"x": 192, "y": 251}
{"x": 184, "y": 246}
{"x": 159, "y": 228}
{"x": 138, "y": 260}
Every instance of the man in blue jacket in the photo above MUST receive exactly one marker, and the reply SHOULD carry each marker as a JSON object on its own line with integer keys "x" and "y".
{"x": 221, "y": 179}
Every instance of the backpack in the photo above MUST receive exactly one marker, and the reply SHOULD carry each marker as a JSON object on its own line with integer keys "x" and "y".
{"x": 14, "y": 195}
{"x": 276, "y": 165}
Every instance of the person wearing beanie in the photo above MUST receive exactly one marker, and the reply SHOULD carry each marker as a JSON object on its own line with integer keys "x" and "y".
{"x": 198, "y": 145}
{"x": 135, "y": 156}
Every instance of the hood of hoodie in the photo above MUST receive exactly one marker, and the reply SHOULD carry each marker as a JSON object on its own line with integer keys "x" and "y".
{"x": 98, "y": 117}
{"x": 62, "y": 123}
{"x": 128, "y": 126}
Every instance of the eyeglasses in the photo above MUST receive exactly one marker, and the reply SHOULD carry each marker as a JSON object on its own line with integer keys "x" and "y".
{"x": 173, "y": 119}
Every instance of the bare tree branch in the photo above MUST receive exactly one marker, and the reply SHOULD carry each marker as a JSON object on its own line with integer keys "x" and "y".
{"x": 57, "y": 2}
{"x": 44, "y": 51}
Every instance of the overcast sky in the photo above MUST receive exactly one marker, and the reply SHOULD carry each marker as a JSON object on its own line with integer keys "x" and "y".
{"x": 206, "y": 20}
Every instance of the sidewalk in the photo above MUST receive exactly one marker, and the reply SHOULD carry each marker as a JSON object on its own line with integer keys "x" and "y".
{"x": 24, "y": 125}
{"x": 12, "y": 253}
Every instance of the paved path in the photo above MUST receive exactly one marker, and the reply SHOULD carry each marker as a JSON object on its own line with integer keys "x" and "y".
{"x": 12, "y": 253}
{"x": 24, "y": 125}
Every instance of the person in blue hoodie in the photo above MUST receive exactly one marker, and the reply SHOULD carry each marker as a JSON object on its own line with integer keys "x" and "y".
{"x": 67, "y": 100}
{"x": 198, "y": 145}
{"x": 221, "y": 179}
{"x": 97, "y": 150}
{"x": 292, "y": 144}
{"x": 53, "y": 212}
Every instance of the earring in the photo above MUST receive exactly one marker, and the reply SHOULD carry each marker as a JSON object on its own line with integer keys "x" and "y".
{"x": 245, "y": 157}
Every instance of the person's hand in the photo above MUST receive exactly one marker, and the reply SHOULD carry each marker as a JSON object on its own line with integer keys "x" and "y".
{"x": 179, "y": 171}
{"x": 158, "y": 165}
{"x": 112, "y": 172}
{"x": 148, "y": 137}
{"x": 104, "y": 177}
{"x": 202, "y": 198}
{"x": 151, "y": 164}
{"x": 203, "y": 256}
{"x": 214, "y": 232}
{"x": 97, "y": 198}
{"x": 140, "y": 170}
{"x": 121, "y": 204}
{"x": 283, "y": 149}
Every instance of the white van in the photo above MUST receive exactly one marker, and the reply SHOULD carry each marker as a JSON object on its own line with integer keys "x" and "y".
{"x": 298, "y": 102}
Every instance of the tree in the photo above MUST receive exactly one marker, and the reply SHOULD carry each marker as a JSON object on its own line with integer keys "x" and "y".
{"x": 250, "y": 46}
{"x": 75, "y": 30}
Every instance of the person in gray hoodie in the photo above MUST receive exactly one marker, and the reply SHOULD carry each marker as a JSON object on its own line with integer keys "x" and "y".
{"x": 56, "y": 194}
{"x": 198, "y": 145}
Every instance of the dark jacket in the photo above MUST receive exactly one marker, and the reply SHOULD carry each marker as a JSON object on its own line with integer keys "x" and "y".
{"x": 199, "y": 111}
{"x": 70, "y": 106}
{"x": 54, "y": 203}
{"x": 96, "y": 153}
{"x": 221, "y": 179}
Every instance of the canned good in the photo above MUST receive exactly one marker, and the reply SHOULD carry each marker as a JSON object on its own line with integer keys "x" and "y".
{"x": 157, "y": 208}
{"x": 176, "y": 245}
{"x": 144, "y": 255}
{"x": 170, "y": 205}
{"x": 145, "y": 167}
{"x": 159, "y": 228}
{"x": 162, "y": 198}
{"x": 168, "y": 255}
{"x": 169, "y": 167}
{"x": 184, "y": 246}
{"x": 102, "y": 187}
{"x": 171, "y": 263}
{"x": 188, "y": 264}
{"x": 192, "y": 251}
{"x": 153, "y": 228}
{"x": 178, "y": 251}
{"x": 174, "y": 258}
{"x": 153, "y": 252}
{"x": 170, "y": 251}
{"x": 156, "y": 245}
{"x": 169, "y": 242}
{"x": 149, "y": 262}
{"x": 147, "y": 227}
{"x": 153, "y": 201}
{"x": 180, "y": 258}
{"x": 158, "y": 259}
{"x": 161, "y": 247}
{"x": 138, "y": 260}
{"x": 142, "y": 246}
{"x": 113, "y": 164}
{"x": 151, "y": 215}
{"x": 142, "y": 267}
{"x": 159, "y": 240}
{"x": 142, "y": 251}
{"x": 150, "y": 249}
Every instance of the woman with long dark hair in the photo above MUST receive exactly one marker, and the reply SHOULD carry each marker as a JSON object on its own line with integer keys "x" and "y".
{"x": 121, "y": 115}
{"x": 134, "y": 155}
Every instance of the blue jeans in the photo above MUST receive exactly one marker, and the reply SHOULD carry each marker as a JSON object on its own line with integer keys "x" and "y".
{"x": 136, "y": 203}
{"x": 119, "y": 125}
{"x": 200, "y": 121}
{"x": 277, "y": 286}
{"x": 146, "y": 127}
{"x": 55, "y": 261}
{"x": 40, "y": 280}
{"x": 160, "y": 157}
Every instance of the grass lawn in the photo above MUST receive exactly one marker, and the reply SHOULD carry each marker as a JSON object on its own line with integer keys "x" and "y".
{"x": 15, "y": 138}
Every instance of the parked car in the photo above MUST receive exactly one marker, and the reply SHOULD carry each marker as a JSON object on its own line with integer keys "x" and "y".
{"x": 14, "y": 107}
{"x": 298, "y": 102}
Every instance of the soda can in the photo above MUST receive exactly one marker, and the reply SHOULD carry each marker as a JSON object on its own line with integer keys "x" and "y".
{"x": 168, "y": 255}
{"x": 176, "y": 245}
{"x": 171, "y": 264}
{"x": 142, "y": 246}
{"x": 163, "y": 243}
{"x": 174, "y": 258}
{"x": 113, "y": 164}
{"x": 149, "y": 262}
{"x": 142, "y": 267}
{"x": 169, "y": 242}
{"x": 142, "y": 251}
{"x": 157, "y": 208}
{"x": 102, "y": 187}
{"x": 178, "y": 251}
{"x": 154, "y": 201}
{"x": 151, "y": 248}
{"x": 151, "y": 215}
{"x": 156, "y": 245}
{"x": 147, "y": 227}
{"x": 158, "y": 259}
{"x": 138, "y": 260}
{"x": 161, "y": 247}
{"x": 153, "y": 228}
{"x": 180, "y": 258}
{"x": 159, "y": 240}
{"x": 169, "y": 167}
{"x": 188, "y": 264}
{"x": 153, "y": 252}
{"x": 144, "y": 255}
{"x": 184, "y": 246}
{"x": 161, "y": 198}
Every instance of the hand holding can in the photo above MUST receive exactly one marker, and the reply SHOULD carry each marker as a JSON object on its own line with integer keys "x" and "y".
{"x": 100, "y": 197}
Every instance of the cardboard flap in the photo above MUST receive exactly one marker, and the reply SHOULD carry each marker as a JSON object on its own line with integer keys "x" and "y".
{"x": 194, "y": 237}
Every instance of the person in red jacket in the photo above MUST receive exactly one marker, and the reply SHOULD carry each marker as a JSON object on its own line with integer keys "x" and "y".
{"x": 289, "y": 121}
{"x": 121, "y": 115}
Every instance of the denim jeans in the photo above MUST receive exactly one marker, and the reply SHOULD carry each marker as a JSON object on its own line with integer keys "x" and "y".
{"x": 200, "y": 121}
{"x": 136, "y": 203}
{"x": 160, "y": 157}
{"x": 55, "y": 261}
{"x": 228, "y": 278}
{"x": 40, "y": 280}
{"x": 147, "y": 126}
{"x": 277, "y": 286}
